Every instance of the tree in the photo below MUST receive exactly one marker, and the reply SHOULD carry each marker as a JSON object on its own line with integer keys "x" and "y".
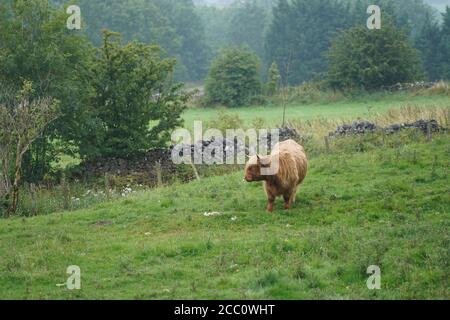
{"x": 408, "y": 15}
{"x": 133, "y": 88}
{"x": 234, "y": 78}
{"x": 236, "y": 23}
{"x": 274, "y": 79}
{"x": 172, "y": 25}
{"x": 445, "y": 46}
{"x": 429, "y": 44}
{"x": 247, "y": 26}
{"x": 22, "y": 120}
{"x": 371, "y": 59}
{"x": 216, "y": 23}
{"x": 35, "y": 45}
{"x": 193, "y": 52}
{"x": 306, "y": 29}
{"x": 301, "y": 32}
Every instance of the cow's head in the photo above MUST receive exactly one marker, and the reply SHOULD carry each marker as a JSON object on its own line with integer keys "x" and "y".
{"x": 253, "y": 168}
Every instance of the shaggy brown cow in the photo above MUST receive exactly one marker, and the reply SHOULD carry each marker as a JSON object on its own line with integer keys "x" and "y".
{"x": 292, "y": 168}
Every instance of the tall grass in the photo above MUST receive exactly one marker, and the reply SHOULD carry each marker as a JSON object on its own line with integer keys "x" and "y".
{"x": 320, "y": 128}
{"x": 440, "y": 88}
{"x": 307, "y": 93}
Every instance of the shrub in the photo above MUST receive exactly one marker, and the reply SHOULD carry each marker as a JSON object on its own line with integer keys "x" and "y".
{"x": 225, "y": 121}
{"x": 306, "y": 93}
{"x": 274, "y": 80}
{"x": 233, "y": 80}
{"x": 440, "y": 88}
{"x": 372, "y": 59}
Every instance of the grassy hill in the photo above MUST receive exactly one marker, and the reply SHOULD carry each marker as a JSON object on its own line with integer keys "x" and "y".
{"x": 387, "y": 207}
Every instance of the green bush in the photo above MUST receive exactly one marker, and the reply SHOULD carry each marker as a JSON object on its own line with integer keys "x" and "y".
{"x": 226, "y": 121}
{"x": 234, "y": 78}
{"x": 307, "y": 93}
{"x": 370, "y": 59}
{"x": 274, "y": 81}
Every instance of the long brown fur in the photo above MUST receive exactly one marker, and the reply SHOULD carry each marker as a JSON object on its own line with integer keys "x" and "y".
{"x": 293, "y": 167}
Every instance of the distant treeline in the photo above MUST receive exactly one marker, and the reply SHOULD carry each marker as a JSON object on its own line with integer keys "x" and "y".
{"x": 276, "y": 30}
{"x": 299, "y": 32}
{"x": 173, "y": 25}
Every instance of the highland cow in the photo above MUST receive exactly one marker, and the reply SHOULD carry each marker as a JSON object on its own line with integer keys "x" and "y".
{"x": 287, "y": 176}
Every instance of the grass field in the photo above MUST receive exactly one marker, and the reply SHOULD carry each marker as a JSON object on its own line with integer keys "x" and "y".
{"x": 388, "y": 207}
{"x": 346, "y": 110}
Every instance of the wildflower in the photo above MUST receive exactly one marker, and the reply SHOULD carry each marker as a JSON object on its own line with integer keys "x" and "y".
{"x": 126, "y": 191}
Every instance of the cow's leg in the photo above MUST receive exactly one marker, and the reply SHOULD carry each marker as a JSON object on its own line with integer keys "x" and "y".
{"x": 294, "y": 195}
{"x": 289, "y": 199}
{"x": 287, "y": 202}
{"x": 271, "y": 201}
